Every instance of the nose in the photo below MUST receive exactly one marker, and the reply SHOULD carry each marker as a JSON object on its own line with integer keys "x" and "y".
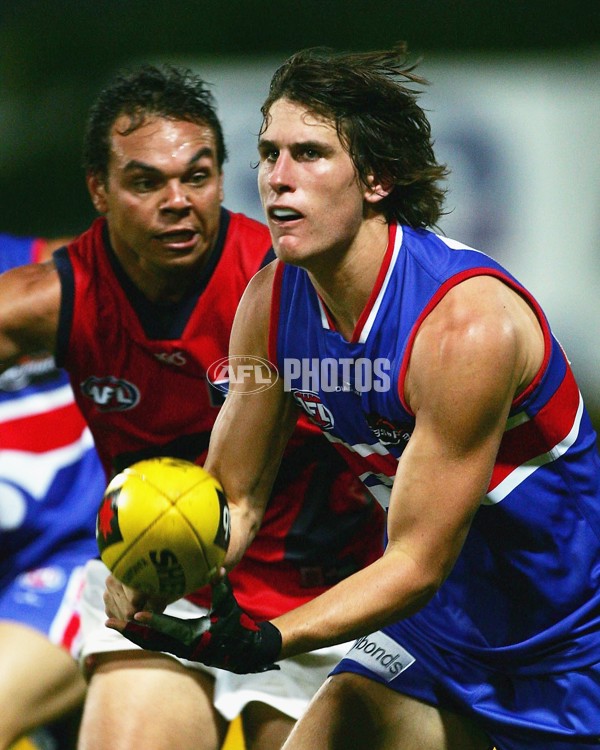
{"x": 175, "y": 197}
{"x": 281, "y": 174}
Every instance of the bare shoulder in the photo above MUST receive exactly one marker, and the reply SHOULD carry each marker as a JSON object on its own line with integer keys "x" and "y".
{"x": 259, "y": 291}
{"x": 481, "y": 335}
{"x": 251, "y": 325}
{"x": 29, "y": 309}
{"x": 35, "y": 287}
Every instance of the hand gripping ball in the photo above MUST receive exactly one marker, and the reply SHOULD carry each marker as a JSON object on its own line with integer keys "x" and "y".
{"x": 163, "y": 527}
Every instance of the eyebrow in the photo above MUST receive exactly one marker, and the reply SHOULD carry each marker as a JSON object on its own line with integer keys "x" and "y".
{"x": 136, "y": 164}
{"x": 322, "y": 145}
{"x": 263, "y": 142}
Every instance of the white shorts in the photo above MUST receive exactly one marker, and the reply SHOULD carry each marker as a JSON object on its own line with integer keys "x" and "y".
{"x": 288, "y": 689}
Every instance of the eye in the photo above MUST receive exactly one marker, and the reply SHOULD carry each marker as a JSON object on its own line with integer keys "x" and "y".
{"x": 143, "y": 184}
{"x": 310, "y": 154}
{"x": 199, "y": 177}
{"x": 268, "y": 153}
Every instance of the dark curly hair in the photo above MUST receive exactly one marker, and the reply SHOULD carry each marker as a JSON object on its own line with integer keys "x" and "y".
{"x": 148, "y": 91}
{"x": 377, "y": 118}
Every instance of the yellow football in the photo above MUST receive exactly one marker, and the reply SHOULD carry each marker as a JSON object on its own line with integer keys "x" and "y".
{"x": 163, "y": 527}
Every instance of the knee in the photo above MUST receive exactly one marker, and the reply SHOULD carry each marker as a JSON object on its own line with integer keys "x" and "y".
{"x": 264, "y": 726}
{"x": 351, "y": 698}
{"x": 342, "y": 715}
{"x": 348, "y": 687}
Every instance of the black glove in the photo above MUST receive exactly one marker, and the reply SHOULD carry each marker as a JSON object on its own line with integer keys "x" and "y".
{"x": 226, "y": 637}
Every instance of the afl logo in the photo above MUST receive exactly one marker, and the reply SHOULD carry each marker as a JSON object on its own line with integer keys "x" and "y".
{"x": 110, "y": 393}
{"x": 316, "y": 410}
{"x": 254, "y": 373}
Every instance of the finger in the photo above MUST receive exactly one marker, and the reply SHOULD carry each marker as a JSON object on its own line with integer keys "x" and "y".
{"x": 110, "y": 607}
{"x": 115, "y": 624}
{"x": 220, "y": 579}
{"x": 118, "y": 607}
{"x": 183, "y": 631}
{"x": 154, "y": 639}
{"x": 219, "y": 575}
{"x": 145, "y": 617}
{"x": 222, "y": 593}
{"x": 144, "y": 636}
{"x": 137, "y": 599}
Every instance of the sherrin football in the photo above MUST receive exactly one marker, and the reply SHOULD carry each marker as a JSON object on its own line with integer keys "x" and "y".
{"x": 163, "y": 527}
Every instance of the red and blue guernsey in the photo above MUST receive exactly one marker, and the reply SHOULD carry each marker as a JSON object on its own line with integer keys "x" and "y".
{"x": 51, "y": 484}
{"x": 523, "y": 600}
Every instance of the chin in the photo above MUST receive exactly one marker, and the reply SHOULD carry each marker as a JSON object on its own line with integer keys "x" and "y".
{"x": 292, "y": 255}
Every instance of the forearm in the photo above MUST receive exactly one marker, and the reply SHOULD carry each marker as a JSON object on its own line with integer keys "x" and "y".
{"x": 387, "y": 590}
{"x": 227, "y": 638}
{"x": 29, "y": 311}
{"x": 246, "y": 461}
{"x": 245, "y": 522}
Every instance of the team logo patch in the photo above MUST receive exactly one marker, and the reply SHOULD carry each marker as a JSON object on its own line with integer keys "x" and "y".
{"x": 43, "y": 580}
{"x": 110, "y": 393}
{"x": 386, "y": 431}
{"x": 107, "y": 521}
{"x": 315, "y": 408}
{"x": 381, "y": 654}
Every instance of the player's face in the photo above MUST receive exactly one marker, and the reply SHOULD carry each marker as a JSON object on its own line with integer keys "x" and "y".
{"x": 308, "y": 185}
{"x": 162, "y": 196}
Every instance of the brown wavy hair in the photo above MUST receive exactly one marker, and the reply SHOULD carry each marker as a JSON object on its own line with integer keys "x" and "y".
{"x": 370, "y": 98}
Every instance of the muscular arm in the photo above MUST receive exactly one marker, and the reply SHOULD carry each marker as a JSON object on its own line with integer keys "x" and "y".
{"x": 29, "y": 309}
{"x": 254, "y": 425}
{"x": 475, "y": 352}
{"x": 247, "y": 440}
{"x": 480, "y": 347}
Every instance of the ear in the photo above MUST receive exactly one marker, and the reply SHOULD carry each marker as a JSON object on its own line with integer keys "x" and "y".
{"x": 221, "y": 188}
{"x": 97, "y": 190}
{"x": 376, "y": 191}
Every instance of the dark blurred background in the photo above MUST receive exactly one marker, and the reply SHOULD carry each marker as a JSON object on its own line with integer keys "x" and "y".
{"x": 54, "y": 55}
{"x": 488, "y": 60}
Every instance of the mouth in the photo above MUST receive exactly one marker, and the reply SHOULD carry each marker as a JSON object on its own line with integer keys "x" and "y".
{"x": 283, "y": 216}
{"x": 178, "y": 239}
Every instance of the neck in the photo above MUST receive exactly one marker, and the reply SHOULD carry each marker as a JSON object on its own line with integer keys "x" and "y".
{"x": 158, "y": 284}
{"x": 346, "y": 284}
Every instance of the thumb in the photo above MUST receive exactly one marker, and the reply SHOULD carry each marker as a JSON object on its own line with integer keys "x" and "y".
{"x": 222, "y": 596}
{"x": 183, "y": 631}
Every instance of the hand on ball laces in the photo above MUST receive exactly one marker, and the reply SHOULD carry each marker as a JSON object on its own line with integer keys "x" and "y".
{"x": 226, "y": 637}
